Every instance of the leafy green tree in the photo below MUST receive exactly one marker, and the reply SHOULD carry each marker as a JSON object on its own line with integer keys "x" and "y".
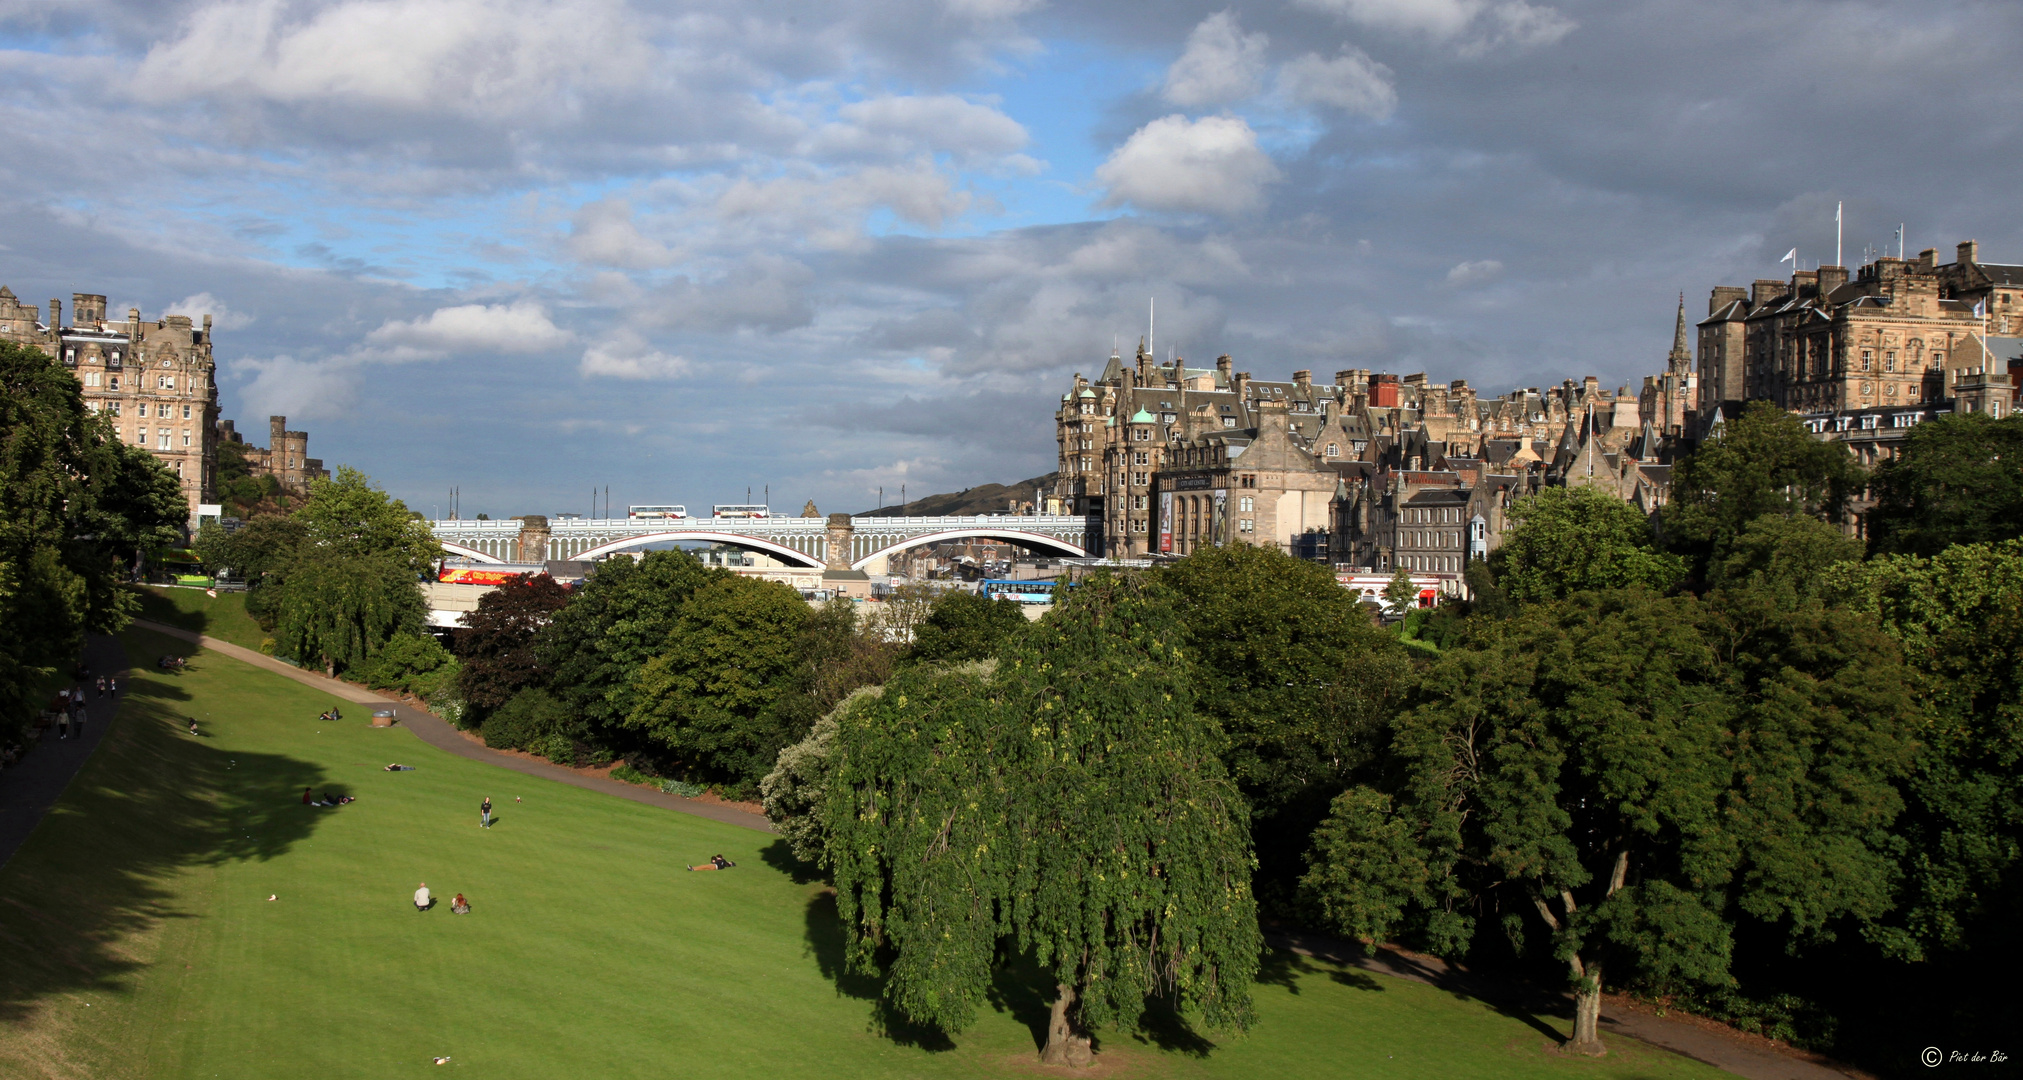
{"x": 495, "y": 647}
{"x": 795, "y": 794}
{"x": 349, "y": 516}
{"x": 336, "y": 610}
{"x": 1073, "y": 806}
{"x": 1288, "y": 666}
{"x": 1957, "y": 480}
{"x": 1568, "y": 540}
{"x": 77, "y": 510}
{"x": 532, "y": 720}
{"x": 1764, "y": 462}
{"x": 414, "y": 664}
{"x": 962, "y": 625}
{"x": 1785, "y": 556}
{"x": 725, "y": 661}
{"x": 620, "y": 618}
{"x": 1633, "y": 775}
{"x": 1136, "y": 881}
{"x": 1400, "y": 594}
{"x": 1959, "y": 616}
{"x": 836, "y": 654}
{"x": 258, "y": 553}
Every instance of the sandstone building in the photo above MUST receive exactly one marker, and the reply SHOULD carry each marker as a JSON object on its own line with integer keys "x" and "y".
{"x": 155, "y": 379}
{"x": 286, "y": 457}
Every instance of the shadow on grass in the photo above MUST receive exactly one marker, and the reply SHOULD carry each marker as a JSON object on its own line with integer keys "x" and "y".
{"x": 1522, "y": 1001}
{"x": 782, "y": 858}
{"x": 150, "y": 804}
{"x": 825, "y": 942}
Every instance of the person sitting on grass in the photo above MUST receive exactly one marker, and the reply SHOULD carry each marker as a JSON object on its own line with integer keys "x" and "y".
{"x": 460, "y": 906}
{"x": 193, "y": 725}
{"x": 716, "y": 862}
{"x": 305, "y": 797}
{"x": 422, "y": 900}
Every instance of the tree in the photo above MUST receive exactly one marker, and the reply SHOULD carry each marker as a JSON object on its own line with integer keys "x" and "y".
{"x": 619, "y": 619}
{"x": 336, "y": 610}
{"x": 1072, "y": 806}
{"x": 1763, "y": 462}
{"x": 76, "y": 511}
{"x": 834, "y": 657}
{"x": 1400, "y": 594}
{"x": 722, "y": 665}
{"x": 1632, "y": 774}
{"x": 259, "y": 553}
{"x": 349, "y": 516}
{"x": 1569, "y": 540}
{"x": 414, "y": 664}
{"x": 1303, "y": 687}
{"x": 1785, "y": 556}
{"x": 962, "y": 625}
{"x": 495, "y": 648}
{"x": 1957, "y": 480}
{"x": 795, "y": 793}
{"x": 1959, "y": 616}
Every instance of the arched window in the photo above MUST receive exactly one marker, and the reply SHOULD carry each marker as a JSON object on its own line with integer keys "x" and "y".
{"x": 1334, "y": 450}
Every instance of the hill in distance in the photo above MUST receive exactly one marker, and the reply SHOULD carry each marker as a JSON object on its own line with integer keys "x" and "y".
{"x": 986, "y": 499}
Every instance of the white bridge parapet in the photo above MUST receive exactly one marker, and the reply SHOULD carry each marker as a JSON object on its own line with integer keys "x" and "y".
{"x": 836, "y": 542}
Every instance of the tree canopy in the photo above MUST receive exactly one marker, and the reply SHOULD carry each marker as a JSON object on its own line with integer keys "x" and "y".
{"x": 1763, "y": 462}
{"x": 1631, "y": 774}
{"x": 961, "y": 625}
{"x": 615, "y": 622}
{"x": 348, "y": 516}
{"x": 495, "y": 647}
{"x": 1568, "y": 540}
{"x": 1956, "y": 480}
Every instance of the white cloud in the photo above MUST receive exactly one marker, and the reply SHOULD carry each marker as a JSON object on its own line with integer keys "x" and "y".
{"x": 603, "y": 232}
{"x": 627, "y": 355}
{"x": 297, "y": 389}
{"x": 1221, "y": 65}
{"x": 202, "y": 304}
{"x": 1477, "y": 25}
{"x": 901, "y": 126}
{"x": 1351, "y": 82}
{"x": 1475, "y": 272}
{"x": 828, "y": 210}
{"x": 520, "y": 327}
{"x": 1211, "y": 165}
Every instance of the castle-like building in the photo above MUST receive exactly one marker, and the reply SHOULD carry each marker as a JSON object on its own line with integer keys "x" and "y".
{"x": 157, "y": 382}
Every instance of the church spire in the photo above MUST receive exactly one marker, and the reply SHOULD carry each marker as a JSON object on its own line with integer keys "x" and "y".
{"x": 1682, "y": 353}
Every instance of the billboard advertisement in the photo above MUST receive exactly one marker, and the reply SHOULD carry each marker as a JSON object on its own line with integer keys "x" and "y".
{"x": 476, "y": 575}
{"x": 1166, "y": 521}
{"x": 1218, "y": 516}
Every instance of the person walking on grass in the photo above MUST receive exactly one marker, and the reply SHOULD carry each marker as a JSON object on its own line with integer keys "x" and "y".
{"x": 485, "y": 813}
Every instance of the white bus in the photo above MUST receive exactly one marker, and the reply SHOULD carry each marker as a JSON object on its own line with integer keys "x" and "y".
{"x": 738, "y": 510}
{"x": 656, "y": 513}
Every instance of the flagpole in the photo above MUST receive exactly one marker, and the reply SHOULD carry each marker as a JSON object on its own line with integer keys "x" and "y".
{"x": 1836, "y": 234}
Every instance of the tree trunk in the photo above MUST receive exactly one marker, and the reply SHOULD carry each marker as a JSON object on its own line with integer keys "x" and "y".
{"x": 1058, "y": 1031}
{"x": 1587, "y": 1015}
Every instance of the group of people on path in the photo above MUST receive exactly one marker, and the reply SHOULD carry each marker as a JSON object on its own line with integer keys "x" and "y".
{"x": 70, "y": 705}
{"x": 423, "y": 901}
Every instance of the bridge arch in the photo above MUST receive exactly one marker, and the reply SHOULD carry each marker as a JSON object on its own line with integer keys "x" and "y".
{"x": 780, "y": 551}
{"x": 1016, "y": 536}
{"x": 467, "y": 552}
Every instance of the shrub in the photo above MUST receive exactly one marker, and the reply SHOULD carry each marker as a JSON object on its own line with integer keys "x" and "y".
{"x": 683, "y": 788}
{"x": 631, "y": 775}
{"x": 411, "y": 663}
{"x": 794, "y": 792}
{"x": 560, "y": 749}
{"x": 526, "y": 721}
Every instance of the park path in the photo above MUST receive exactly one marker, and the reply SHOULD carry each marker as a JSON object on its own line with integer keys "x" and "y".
{"x": 32, "y": 785}
{"x": 437, "y": 732}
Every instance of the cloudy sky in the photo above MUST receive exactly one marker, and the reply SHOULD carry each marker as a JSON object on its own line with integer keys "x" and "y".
{"x": 529, "y": 247}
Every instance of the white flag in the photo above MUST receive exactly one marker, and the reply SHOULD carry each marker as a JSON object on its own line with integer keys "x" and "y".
{"x": 1981, "y": 308}
{"x": 1791, "y": 257}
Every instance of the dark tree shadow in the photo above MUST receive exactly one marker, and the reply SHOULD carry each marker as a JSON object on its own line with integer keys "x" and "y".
{"x": 149, "y": 804}
{"x": 1025, "y": 991}
{"x": 1163, "y": 1025}
{"x": 782, "y": 858}
{"x": 824, "y": 937}
{"x": 1349, "y": 963}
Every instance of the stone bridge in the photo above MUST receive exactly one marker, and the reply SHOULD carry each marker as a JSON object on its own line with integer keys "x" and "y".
{"x": 838, "y": 542}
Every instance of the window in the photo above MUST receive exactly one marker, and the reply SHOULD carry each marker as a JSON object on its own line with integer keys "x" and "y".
{"x": 115, "y": 358}
{"x": 1141, "y": 479}
{"x": 1088, "y": 408}
{"x": 1141, "y": 434}
{"x": 1247, "y": 504}
{"x": 115, "y": 407}
{"x": 186, "y": 412}
{"x": 186, "y": 436}
{"x": 1243, "y": 525}
{"x": 165, "y": 382}
{"x": 1229, "y": 421}
{"x": 112, "y": 382}
{"x": 1890, "y": 360}
{"x": 1138, "y": 526}
{"x": 1139, "y": 458}
{"x": 91, "y": 378}
{"x": 1138, "y": 502}
{"x": 1334, "y": 450}
{"x": 162, "y": 436}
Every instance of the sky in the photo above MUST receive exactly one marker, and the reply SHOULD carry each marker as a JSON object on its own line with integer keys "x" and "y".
{"x": 526, "y": 249}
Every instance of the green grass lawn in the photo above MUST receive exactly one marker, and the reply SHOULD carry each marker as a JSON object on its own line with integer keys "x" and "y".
{"x": 223, "y": 617}
{"x": 139, "y": 940}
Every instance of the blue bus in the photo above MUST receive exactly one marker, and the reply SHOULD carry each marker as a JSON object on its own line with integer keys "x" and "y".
{"x": 1024, "y": 592}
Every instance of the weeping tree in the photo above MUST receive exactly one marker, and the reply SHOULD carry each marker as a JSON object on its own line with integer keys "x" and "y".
{"x": 1071, "y": 809}
{"x": 337, "y": 610}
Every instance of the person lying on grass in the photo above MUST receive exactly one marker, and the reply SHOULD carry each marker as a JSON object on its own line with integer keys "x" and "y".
{"x": 399, "y": 768}
{"x": 716, "y": 862}
{"x": 460, "y": 906}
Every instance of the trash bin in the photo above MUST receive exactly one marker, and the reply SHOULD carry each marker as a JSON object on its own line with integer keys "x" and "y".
{"x": 382, "y": 718}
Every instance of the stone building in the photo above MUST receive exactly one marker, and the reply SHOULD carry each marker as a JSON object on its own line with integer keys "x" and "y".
{"x": 286, "y": 457}
{"x": 1171, "y": 457}
{"x": 155, "y": 379}
{"x": 1898, "y": 335}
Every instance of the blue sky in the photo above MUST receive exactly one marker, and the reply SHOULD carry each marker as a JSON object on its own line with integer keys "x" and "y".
{"x": 526, "y": 247}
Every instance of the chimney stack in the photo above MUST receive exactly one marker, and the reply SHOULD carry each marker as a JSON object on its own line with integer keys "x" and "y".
{"x": 1303, "y": 378}
{"x": 1969, "y": 251}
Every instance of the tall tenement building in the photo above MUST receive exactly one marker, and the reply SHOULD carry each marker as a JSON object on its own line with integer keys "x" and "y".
{"x": 154, "y": 378}
{"x": 1910, "y": 335}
